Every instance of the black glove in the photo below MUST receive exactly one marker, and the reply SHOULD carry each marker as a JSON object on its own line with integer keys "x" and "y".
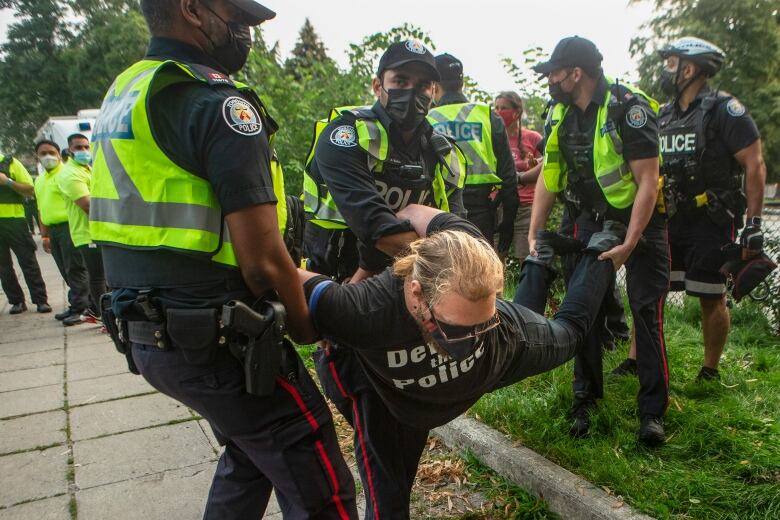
{"x": 752, "y": 238}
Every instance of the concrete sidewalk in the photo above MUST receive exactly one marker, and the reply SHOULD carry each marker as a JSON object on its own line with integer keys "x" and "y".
{"x": 78, "y": 432}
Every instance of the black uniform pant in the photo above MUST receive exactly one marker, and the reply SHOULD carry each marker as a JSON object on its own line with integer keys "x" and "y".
{"x": 71, "y": 266}
{"x": 15, "y": 236}
{"x": 31, "y": 214}
{"x": 284, "y": 442}
{"x": 647, "y": 283}
{"x": 388, "y": 451}
{"x": 615, "y": 316}
{"x": 479, "y": 208}
{"x": 93, "y": 261}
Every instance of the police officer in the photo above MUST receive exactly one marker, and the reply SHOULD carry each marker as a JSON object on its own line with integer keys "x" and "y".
{"x": 186, "y": 201}
{"x": 370, "y": 162}
{"x": 709, "y": 142}
{"x": 15, "y": 185}
{"x": 602, "y": 148}
{"x": 55, "y": 234}
{"x": 481, "y": 136}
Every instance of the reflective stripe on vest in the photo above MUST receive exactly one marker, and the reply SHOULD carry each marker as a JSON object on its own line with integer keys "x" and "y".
{"x": 373, "y": 139}
{"x": 173, "y": 208}
{"x": 459, "y": 122}
{"x": 610, "y": 168}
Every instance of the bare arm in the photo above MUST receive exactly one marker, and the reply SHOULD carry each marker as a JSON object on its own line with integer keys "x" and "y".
{"x": 540, "y": 211}
{"x": 265, "y": 264}
{"x": 83, "y": 203}
{"x": 25, "y": 190}
{"x": 645, "y": 173}
{"x": 752, "y": 160}
{"x": 530, "y": 176}
{"x": 392, "y": 245}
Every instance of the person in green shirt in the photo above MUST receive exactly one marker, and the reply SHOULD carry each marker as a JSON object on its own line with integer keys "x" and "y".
{"x": 55, "y": 234}
{"x": 74, "y": 182}
{"x": 15, "y": 185}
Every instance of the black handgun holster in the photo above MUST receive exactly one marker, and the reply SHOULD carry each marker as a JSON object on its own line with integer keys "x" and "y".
{"x": 117, "y": 331}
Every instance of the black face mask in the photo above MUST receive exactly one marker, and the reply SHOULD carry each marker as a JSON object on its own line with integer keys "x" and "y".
{"x": 558, "y": 94}
{"x": 407, "y": 107}
{"x": 233, "y": 53}
{"x": 669, "y": 82}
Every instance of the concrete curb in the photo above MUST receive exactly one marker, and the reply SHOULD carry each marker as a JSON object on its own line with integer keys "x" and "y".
{"x": 566, "y": 494}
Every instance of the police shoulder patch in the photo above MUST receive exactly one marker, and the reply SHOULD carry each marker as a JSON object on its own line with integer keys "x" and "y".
{"x": 735, "y": 108}
{"x": 241, "y": 116}
{"x": 636, "y": 117}
{"x": 344, "y": 136}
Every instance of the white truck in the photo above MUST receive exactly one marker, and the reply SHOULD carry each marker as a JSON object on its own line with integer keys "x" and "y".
{"x": 58, "y": 128}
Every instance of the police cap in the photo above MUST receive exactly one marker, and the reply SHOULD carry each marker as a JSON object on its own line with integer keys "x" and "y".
{"x": 572, "y": 52}
{"x": 408, "y": 51}
{"x": 258, "y": 13}
{"x": 450, "y": 68}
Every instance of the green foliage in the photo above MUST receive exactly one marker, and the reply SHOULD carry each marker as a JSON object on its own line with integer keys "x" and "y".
{"x": 749, "y": 32}
{"x": 51, "y": 67}
{"x": 722, "y": 457}
{"x": 308, "y": 53}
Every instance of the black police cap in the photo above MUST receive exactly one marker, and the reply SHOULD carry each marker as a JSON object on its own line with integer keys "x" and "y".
{"x": 572, "y": 52}
{"x": 407, "y": 51}
{"x": 258, "y": 13}
{"x": 449, "y": 67}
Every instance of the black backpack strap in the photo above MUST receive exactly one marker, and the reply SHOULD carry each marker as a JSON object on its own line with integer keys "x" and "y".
{"x": 5, "y": 165}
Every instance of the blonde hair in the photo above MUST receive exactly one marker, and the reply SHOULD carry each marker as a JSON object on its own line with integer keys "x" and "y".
{"x": 452, "y": 261}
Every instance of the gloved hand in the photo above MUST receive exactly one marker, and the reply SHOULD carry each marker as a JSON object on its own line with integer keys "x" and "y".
{"x": 752, "y": 239}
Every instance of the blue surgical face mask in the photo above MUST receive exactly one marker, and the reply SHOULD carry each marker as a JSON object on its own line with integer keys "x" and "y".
{"x": 83, "y": 157}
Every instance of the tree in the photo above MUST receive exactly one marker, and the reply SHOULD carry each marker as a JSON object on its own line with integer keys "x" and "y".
{"x": 308, "y": 53}
{"x": 51, "y": 66}
{"x": 749, "y": 32}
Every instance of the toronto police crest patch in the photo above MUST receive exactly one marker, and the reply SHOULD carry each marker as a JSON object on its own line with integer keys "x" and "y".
{"x": 241, "y": 116}
{"x": 636, "y": 117}
{"x": 735, "y": 108}
{"x": 416, "y": 46}
{"x": 344, "y": 136}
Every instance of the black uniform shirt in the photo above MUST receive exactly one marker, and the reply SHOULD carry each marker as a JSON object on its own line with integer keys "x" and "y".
{"x": 505, "y": 164}
{"x": 367, "y": 200}
{"x": 418, "y": 386}
{"x": 191, "y": 123}
{"x": 733, "y": 127}
{"x": 638, "y": 128}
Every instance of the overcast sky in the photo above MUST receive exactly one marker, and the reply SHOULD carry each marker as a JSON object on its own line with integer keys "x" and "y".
{"x": 479, "y": 32}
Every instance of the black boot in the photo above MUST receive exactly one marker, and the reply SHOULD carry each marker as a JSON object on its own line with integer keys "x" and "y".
{"x": 626, "y": 368}
{"x": 708, "y": 374}
{"x": 651, "y": 431}
{"x": 580, "y": 417}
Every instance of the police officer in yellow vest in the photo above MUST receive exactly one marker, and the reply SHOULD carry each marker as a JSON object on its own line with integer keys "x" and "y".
{"x": 15, "y": 185}
{"x": 481, "y": 136}
{"x": 370, "y": 162}
{"x": 184, "y": 202}
{"x": 602, "y": 149}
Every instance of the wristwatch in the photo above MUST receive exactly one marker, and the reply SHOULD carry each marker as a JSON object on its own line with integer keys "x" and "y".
{"x": 754, "y": 221}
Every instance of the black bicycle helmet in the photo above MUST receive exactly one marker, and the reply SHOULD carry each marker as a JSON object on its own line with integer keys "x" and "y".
{"x": 706, "y": 55}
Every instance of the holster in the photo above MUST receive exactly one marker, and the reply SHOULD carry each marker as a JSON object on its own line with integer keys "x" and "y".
{"x": 117, "y": 331}
{"x": 257, "y": 339}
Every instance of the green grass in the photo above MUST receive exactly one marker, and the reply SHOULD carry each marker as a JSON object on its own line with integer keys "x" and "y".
{"x": 722, "y": 458}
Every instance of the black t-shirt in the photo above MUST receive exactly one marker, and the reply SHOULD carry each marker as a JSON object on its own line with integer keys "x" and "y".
{"x": 194, "y": 126}
{"x": 418, "y": 386}
{"x": 368, "y": 201}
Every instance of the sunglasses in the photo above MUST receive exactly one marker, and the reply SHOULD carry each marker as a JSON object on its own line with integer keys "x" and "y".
{"x": 456, "y": 333}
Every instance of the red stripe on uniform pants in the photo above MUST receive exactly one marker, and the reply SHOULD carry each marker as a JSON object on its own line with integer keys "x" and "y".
{"x": 361, "y": 441}
{"x": 320, "y": 448}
